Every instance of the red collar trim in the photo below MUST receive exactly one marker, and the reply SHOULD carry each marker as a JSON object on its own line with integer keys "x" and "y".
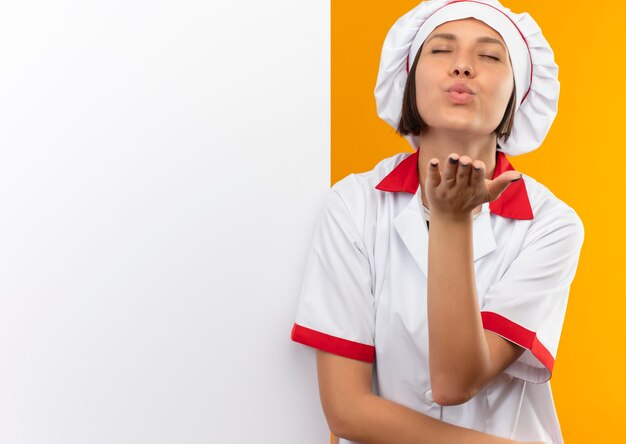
{"x": 512, "y": 203}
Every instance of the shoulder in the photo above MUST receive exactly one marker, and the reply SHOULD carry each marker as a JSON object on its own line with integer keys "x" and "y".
{"x": 551, "y": 214}
{"x": 356, "y": 194}
{"x": 360, "y": 188}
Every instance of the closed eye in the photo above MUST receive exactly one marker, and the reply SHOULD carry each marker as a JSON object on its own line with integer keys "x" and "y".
{"x": 437, "y": 51}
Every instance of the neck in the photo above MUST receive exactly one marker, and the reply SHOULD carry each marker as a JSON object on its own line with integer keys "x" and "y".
{"x": 440, "y": 144}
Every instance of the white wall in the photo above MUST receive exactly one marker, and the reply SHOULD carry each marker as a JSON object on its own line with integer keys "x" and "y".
{"x": 162, "y": 165}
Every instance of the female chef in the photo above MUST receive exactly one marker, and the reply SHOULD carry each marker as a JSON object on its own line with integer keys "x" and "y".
{"x": 436, "y": 285}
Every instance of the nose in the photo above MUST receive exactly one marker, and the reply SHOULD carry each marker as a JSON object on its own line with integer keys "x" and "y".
{"x": 461, "y": 66}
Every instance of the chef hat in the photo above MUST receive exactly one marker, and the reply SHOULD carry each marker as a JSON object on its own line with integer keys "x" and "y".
{"x": 532, "y": 59}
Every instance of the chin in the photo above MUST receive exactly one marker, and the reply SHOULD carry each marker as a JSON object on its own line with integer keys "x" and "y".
{"x": 458, "y": 125}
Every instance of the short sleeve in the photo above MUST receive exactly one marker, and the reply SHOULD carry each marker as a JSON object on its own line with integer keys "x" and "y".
{"x": 336, "y": 305}
{"x": 527, "y": 305}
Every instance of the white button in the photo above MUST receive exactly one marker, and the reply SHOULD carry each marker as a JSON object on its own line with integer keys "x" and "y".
{"x": 428, "y": 395}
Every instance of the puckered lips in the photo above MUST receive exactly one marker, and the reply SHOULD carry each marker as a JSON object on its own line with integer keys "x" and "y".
{"x": 460, "y": 93}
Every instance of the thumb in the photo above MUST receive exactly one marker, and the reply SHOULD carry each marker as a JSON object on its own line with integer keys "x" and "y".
{"x": 497, "y": 186}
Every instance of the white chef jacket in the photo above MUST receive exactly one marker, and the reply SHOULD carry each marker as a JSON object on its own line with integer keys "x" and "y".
{"x": 363, "y": 295}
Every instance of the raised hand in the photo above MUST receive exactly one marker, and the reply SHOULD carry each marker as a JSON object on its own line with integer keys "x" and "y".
{"x": 461, "y": 185}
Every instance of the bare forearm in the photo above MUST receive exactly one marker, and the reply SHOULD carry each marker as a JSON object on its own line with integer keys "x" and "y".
{"x": 379, "y": 421}
{"x": 459, "y": 353}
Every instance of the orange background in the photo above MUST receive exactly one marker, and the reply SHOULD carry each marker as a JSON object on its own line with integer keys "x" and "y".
{"x": 579, "y": 162}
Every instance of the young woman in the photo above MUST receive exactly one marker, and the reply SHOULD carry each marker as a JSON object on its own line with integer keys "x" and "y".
{"x": 436, "y": 285}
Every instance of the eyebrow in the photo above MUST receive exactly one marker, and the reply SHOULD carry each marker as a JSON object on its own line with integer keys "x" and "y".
{"x": 479, "y": 40}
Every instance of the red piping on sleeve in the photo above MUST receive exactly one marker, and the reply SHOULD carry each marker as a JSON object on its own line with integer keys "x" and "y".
{"x": 519, "y": 335}
{"x": 332, "y": 344}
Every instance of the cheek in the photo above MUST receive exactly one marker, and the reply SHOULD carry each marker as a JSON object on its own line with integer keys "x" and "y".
{"x": 426, "y": 94}
{"x": 501, "y": 89}
{"x": 502, "y": 96}
{"x": 496, "y": 95}
{"x": 503, "y": 93}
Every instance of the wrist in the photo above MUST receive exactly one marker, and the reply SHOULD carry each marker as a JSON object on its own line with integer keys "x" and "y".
{"x": 451, "y": 216}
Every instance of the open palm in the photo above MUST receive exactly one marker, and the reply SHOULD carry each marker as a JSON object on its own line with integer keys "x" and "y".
{"x": 459, "y": 185}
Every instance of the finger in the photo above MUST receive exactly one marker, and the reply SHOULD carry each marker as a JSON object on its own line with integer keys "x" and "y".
{"x": 433, "y": 176}
{"x": 464, "y": 170}
{"x": 449, "y": 170}
{"x": 499, "y": 184}
{"x": 478, "y": 173}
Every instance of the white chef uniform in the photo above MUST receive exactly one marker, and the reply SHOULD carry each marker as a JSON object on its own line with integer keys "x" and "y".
{"x": 363, "y": 294}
